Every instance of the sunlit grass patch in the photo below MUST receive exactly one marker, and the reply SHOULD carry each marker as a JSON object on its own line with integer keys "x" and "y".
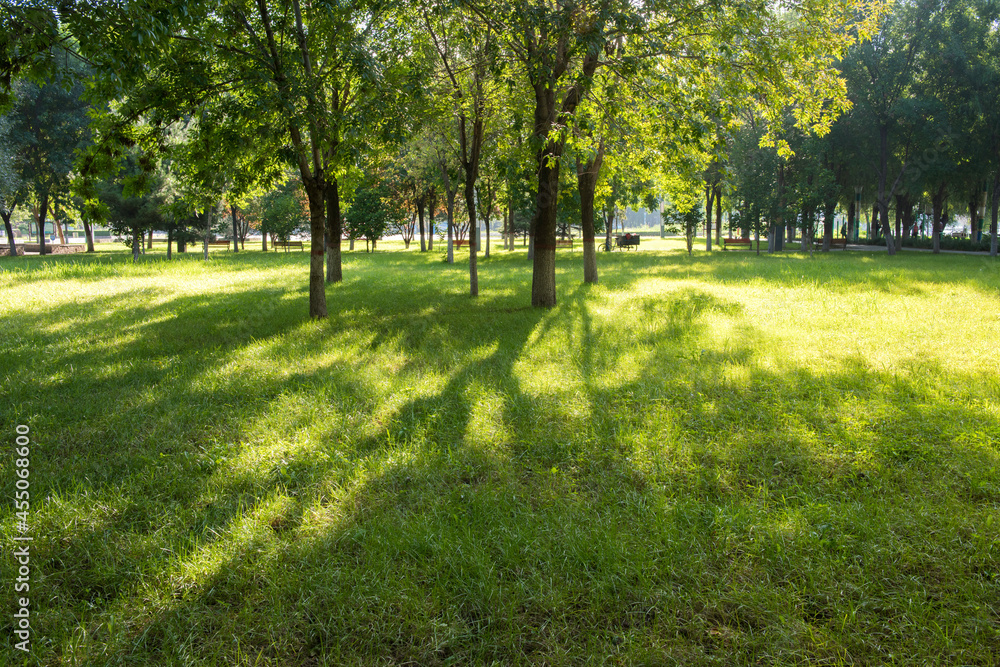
{"x": 723, "y": 459}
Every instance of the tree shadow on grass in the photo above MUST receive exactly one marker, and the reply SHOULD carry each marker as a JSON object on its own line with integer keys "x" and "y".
{"x": 723, "y": 510}
{"x": 649, "y": 501}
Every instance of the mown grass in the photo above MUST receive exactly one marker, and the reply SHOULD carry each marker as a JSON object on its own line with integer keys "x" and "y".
{"x": 718, "y": 460}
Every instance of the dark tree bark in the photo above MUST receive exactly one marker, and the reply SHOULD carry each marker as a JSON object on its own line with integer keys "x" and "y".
{"x": 236, "y": 230}
{"x": 994, "y": 213}
{"x": 208, "y": 227}
{"x": 828, "y": 215}
{"x": 170, "y": 242}
{"x": 586, "y": 177}
{"x": 88, "y": 232}
{"x": 776, "y": 237}
{"x": 421, "y": 205}
{"x": 432, "y": 204}
{"x": 718, "y": 215}
{"x": 334, "y": 232}
{"x": 136, "y": 243}
{"x": 710, "y": 201}
{"x": 937, "y": 204}
{"x": 548, "y": 157}
{"x": 6, "y": 215}
{"x": 149, "y": 240}
{"x": 883, "y": 197}
{"x": 41, "y": 223}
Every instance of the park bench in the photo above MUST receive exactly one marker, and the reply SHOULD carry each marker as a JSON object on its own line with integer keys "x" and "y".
{"x": 565, "y": 243}
{"x": 737, "y": 242}
{"x": 461, "y": 243}
{"x": 627, "y": 243}
{"x": 835, "y": 243}
{"x": 288, "y": 244}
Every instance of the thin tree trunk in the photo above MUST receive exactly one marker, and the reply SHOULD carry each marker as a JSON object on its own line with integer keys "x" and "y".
{"x": 41, "y": 224}
{"x": 470, "y": 203}
{"x": 149, "y": 240}
{"x": 775, "y": 238}
{"x": 334, "y": 231}
{"x": 451, "y": 228}
{"x": 10, "y": 232}
{"x": 316, "y": 193}
{"x": 263, "y": 241}
{"x": 421, "y": 205}
{"x": 587, "y": 175}
{"x": 236, "y": 231}
{"x": 170, "y": 241}
{"x": 208, "y": 227}
{"x": 937, "y": 205}
{"x": 828, "y": 216}
{"x": 710, "y": 197}
{"x": 994, "y": 213}
{"x": 136, "y": 243}
{"x": 718, "y": 215}
{"x": 88, "y": 231}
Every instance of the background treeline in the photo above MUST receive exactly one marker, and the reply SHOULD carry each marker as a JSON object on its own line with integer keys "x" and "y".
{"x": 349, "y": 120}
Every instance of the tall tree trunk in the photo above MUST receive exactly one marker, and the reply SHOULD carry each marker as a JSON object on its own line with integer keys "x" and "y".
{"x": 973, "y": 215}
{"x": 937, "y": 205}
{"x": 807, "y": 229}
{"x": 334, "y": 231}
{"x": 57, "y": 223}
{"x": 88, "y": 231}
{"x": 470, "y": 203}
{"x": 900, "y": 206}
{"x": 431, "y": 211}
{"x": 710, "y": 201}
{"x": 10, "y": 232}
{"x": 587, "y": 174}
{"x": 207, "y": 231}
{"x": 451, "y": 227}
{"x": 828, "y": 220}
{"x": 136, "y": 243}
{"x": 41, "y": 223}
{"x": 170, "y": 241}
{"x": 263, "y": 241}
{"x": 149, "y": 240}
{"x": 883, "y": 196}
{"x": 236, "y": 231}
{"x": 718, "y": 215}
{"x": 316, "y": 193}
{"x": 994, "y": 213}
{"x": 776, "y": 238}
{"x": 852, "y": 212}
{"x": 907, "y": 221}
{"x": 421, "y": 205}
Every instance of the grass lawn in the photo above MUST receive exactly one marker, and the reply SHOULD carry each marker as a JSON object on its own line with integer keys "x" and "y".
{"x": 727, "y": 459}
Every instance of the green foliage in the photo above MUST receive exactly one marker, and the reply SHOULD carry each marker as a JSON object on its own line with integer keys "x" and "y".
{"x": 373, "y": 212}
{"x": 283, "y": 212}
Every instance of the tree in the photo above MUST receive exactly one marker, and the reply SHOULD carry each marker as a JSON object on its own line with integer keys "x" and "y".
{"x": 132, "y": 203}
{"x": 775, "y": 54}
{"x": 47, "y": 126}
{"x": 309, "y": 74}
{"x": 373, "y": 212}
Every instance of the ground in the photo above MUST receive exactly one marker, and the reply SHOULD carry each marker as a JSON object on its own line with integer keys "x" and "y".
{"x": 727, "y": 459}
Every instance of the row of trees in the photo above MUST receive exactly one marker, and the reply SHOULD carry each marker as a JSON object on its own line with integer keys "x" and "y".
{"x": 922, "y": 134}
{"x": 510, "y": 107}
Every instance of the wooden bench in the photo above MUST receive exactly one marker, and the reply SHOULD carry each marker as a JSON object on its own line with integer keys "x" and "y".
{"x": 836, "y": 242}
{"x": 565, "y": 243}
{"x": 627, "y": 243}
{"x": 737, "y": 242}
{"x": 461, "y": 243}
{"x": 288, "y": 244}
